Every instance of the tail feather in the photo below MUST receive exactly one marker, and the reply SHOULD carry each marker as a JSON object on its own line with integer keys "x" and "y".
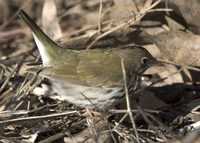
{"x": 47, "y": 47}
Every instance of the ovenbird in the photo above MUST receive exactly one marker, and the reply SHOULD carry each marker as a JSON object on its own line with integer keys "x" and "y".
{"x": 90, "y": 78}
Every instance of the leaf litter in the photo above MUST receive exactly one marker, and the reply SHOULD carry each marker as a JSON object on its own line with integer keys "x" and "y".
{"x": 163, "y": 110}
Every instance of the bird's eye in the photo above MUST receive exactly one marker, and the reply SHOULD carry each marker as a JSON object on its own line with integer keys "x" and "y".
{"x": 144, "y": 60}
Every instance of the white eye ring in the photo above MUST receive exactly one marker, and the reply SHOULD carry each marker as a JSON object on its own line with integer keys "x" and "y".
{"x": 144, "y": 60}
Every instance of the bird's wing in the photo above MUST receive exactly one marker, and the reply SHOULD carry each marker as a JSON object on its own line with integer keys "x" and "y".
{"x": 91, "y": 69}
{"x": 63, "y": 72}
{"x": 100, "y": 68}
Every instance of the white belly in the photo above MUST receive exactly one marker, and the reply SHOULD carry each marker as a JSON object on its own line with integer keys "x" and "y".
{"x": 85, "y": 96}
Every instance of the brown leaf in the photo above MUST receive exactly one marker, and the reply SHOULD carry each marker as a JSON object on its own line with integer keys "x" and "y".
{"x": 122, "y": 36}
{"x": 49, "y": 20}
{"x": 120, "y": 12}
{"x": 173, "y": 24}
{"x": 148, "y": 100}
{"x": 179, "y": 47}
{"x": 189, "y": 9}
{"x": 122, "y": 2}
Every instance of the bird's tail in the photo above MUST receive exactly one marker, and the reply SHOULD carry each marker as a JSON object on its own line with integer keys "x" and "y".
{"x": 48, "y": 48}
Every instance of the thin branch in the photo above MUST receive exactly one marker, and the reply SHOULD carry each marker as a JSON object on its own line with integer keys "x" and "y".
{"x": 8, "y": 78}
{"x": 128, "y": 100}
{"x": 173, "y": 73}
{"x": 151, "y": 124}
{"x": 172, "y": 63}
{"x": 26, "y": 3}
{"x": 100, "y": 12}
{"x": 134, "y": 19}
{"x": 56, "y": 115}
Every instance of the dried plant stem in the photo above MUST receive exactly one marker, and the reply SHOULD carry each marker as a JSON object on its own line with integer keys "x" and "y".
{"x": 128, "y": 101}
{"x": 9, "y": 77}
{"x": 91, "y": 127}
{"x": 173, "y": 73}
{"x": 160, "y": 9}
{"x": 50, "y": 116}
{"x": 53, "y": 138}
{"x": 134, "y": 19}
{"x": 150, "y": 123}
{"x": 83, "y": 29}
{"x": 100, "y": 12}
{"x": 15, "y": 14}
{"x": 188, "y": 67}
{"x": 121, "y": 120}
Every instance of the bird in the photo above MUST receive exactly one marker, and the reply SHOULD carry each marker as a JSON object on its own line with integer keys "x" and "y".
{"x": 90, "y": 78}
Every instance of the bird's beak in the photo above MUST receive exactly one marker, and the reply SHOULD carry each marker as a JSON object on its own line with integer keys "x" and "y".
{"x": 157, "y": 63}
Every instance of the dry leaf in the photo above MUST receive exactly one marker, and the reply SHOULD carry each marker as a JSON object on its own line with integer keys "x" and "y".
{"x": 152, "y": 27}
{"x": 123, "y": 2}
{"x": 193, "y": 109}
{"x": 122, "y": 36}
{"x": 170, "y": 93}
{"x": 49, "y": 20}
{"x": 120, "y": 12}
{"x": 148, "y": 100}
{"x": 174, "y": 25}
{"x": 179, "y": 47}
{"x": 164, "y": 71}
{"x": 189, "y": 10}
{"x": 146, "y": 5}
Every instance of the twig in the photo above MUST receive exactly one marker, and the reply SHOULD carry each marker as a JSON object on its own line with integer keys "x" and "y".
{"x": 85, "y": 29}
{"x": 2, "y": 65}
{"x": 26, "y": 87}
{"x": 93, "y": 132}
{"x": 134, "y": 19}
{"x": 128, "y": 101}
{"x": 100, "y": 12}
{"x": 197, "y": 94}
{"x": 53, "y": 137}
{"x": 173, "y": 73}
{"x": 9, "y": 77}
{"x": 17, "y": 55}
{"x": 160, "y": 9}
{"x": 161, "y": 124}
{"x": 26, "y": 3}
{"x": 172, "y": 63}
{"x": 39, "y": 117}
{"x": 121, "y": 120}
{"x": 151, "y": 124}
{"x": 9, "y": 113}
{"x": 114, "y": 111}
